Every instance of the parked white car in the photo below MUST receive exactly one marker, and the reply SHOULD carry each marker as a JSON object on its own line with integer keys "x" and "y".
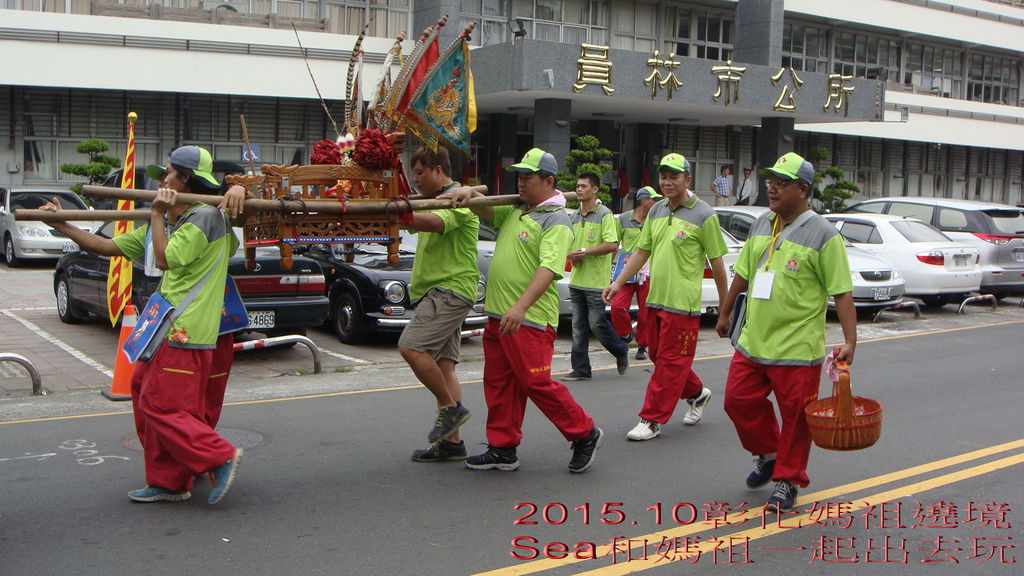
{"x": 24, "y": 240}
{"x": 936, "y": 269}
{"x": 876, "y": 282}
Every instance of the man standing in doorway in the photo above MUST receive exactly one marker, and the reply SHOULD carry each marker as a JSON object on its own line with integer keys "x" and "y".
{"x": 743, "y": 195}
{"x": 792, "y": 262}
{"x": 722, "y": 187}
{"x": 595, "y": 240}
{"x": 681, "y": 233}
{"x": 522, "y": 301}
{"x": 443, "y": 290}
{"x": 629, "y": 224}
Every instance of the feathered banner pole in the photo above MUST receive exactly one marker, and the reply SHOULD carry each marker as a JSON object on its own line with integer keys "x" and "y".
{"x": 354, "y": 86}
{"x": 384, "y": 84}
{"x": 423, "y": 56}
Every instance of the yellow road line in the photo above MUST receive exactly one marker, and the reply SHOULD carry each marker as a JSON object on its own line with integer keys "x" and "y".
{"x": 828, "y": 494}
{"x": 416, "y": 386}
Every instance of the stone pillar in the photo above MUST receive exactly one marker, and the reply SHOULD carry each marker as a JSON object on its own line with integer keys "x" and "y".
{"x": 776, "y": 139}
{"x": 501, "y": 142}
{"x": 552, "y": 123}
{"x": 758, "y": 35}
{"x": 426, "y": 12}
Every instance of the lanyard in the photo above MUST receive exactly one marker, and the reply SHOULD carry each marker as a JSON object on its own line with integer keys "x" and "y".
{"x": 776, "y": 232}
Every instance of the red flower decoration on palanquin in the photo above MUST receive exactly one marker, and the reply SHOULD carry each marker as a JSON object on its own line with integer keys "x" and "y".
{"x": 325, "y": 152}
{"x": 373, "y": 150}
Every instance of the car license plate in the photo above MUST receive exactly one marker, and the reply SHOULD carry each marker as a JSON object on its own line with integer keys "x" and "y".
{"x": 1018, "y": 255}
{"x": 881, "y": 293}
{"x": 69, "y": 247}
{"x": 263, "y": 319}
{"x": 961, "y": 260}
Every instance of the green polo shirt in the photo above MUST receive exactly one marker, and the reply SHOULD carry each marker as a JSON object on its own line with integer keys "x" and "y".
{"x": 629, "y": 231}
{"x": 589, "y": 230}
{"x": 527, "y": 241}
{"x": 193, "y": 246}
{"x": 447, "y": 259}
{"x": 809, "y": 265}
{"x": 680, "y": 242}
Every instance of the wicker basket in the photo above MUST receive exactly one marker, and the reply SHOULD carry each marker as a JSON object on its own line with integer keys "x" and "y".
{"x": 844, "y": 421}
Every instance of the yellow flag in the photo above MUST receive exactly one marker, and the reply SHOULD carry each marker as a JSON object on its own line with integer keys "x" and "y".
{"x": 119, "y": 279}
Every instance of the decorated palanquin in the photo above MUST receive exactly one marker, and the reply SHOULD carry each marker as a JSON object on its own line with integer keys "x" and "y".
{"x": 315, "y": 187}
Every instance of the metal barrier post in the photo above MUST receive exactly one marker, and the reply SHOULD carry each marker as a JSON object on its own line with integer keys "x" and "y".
{"x": 903, "y": 304}
{"x": 277, "y": 340}
{"x": 37, "y": 381}
{"x": 977, "y": 298}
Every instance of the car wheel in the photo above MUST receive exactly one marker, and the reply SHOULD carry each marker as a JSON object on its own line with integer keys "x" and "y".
{"x": 937, "y": 301}
{"x": 347, "y": 319}
{"x": 65, "y": 309}
{"x": 9, "y": 255}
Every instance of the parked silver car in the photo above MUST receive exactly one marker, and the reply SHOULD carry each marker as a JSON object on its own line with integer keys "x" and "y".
{"x": 24, "y": 240}
{"x": 996, "y": 230}
{"x": 876, "y": 282}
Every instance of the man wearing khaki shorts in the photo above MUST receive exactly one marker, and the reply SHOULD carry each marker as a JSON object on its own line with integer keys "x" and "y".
{"x": 443, "y": 289}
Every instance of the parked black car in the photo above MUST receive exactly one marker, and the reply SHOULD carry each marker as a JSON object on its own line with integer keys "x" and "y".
{"x": 367, "y": 295}
{"x": 278, "y": 301}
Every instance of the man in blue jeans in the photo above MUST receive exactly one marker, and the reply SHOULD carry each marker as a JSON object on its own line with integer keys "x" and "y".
{"x": 596, "y": 240}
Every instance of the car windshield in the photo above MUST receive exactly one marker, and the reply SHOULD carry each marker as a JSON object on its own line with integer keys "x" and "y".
{"x": 1007, "y": 221}
{"x": 33, "y": 200}
{"x": 919, "y": 231}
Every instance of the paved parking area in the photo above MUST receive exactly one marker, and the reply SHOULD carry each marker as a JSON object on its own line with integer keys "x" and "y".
{"x": 78, "y": 358}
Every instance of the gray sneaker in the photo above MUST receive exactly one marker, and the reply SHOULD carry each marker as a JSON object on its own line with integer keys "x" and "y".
{"x": 574, "y": 376}
{"x": 449, "y": 419}
{"x": 443, "y": 451}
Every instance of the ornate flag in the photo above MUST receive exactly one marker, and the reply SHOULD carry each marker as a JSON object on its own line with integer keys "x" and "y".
{"x": 444, "y": 104}
{"x": 119, "y": 278}
{"x": 383, "y": 86}
{"x": 423, "y": 56}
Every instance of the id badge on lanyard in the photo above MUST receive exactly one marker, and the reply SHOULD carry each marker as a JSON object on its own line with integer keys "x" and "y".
{"x": 763, "y": 281}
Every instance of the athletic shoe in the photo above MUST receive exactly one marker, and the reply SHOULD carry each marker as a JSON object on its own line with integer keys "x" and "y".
{"x": 224, "y": 476}
{"x": 622, "y": 363}
{"x": 158, "y": 494}
{"x": 641, "y": 352}
{"x": 783, "y": 497}
{"x": 645, "y": 430}
{"x": 449, "y": 419}
{"x": 574, "y": 375}
{"x": 494, "y": 459}
{"x": 443, "y": 451}
{"x": 762, "y": 473}
{"x": 584, "y": 451}
{"x": 697, "y": 404}
{"x": 627, "y": 338}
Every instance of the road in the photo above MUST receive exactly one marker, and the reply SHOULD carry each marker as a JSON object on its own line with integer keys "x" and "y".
{"x": 327, "y": 486}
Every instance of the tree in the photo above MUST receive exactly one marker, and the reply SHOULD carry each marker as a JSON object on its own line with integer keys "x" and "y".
{"x": 97, "y": 168}
{"x": 834, "y": 196}
{"x": 586, "y": 157}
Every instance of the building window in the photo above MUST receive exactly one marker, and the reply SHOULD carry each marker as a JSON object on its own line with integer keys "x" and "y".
{"x": 387, "y": 18}
{"x": 865, "y": 56}
{"x": 699, "y": 33}
{"x": 805, "y": 48}
{"x": 993, "y": 79}
{"x": 635, "y": 26}
{"x": 568, "y": 21}
{"x": 934, "y": 69}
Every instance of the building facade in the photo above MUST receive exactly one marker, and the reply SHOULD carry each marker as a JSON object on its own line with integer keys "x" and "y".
{"x": 907, "y": 97}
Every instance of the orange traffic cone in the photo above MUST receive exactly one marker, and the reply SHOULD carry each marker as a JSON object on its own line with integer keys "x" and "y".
{"x": 121, "y": 387}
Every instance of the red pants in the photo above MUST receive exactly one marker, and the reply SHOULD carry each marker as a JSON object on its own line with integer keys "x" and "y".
{"x": 217, "y": 384}
{"x": 169, "y": 398}
{"x": 517, "y": 367}
{"x": 747, "y": 404}
{"x": 621, "y": 320}
{"x": 673, "y": 343}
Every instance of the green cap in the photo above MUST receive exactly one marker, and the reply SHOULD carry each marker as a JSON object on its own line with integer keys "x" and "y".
{"x": 791, "y": 166}
{"x": 537, "y": 160}
{"x": 676, "y": 162}
{"x": 647, "y": 192}
{"x": 196, "y": 159}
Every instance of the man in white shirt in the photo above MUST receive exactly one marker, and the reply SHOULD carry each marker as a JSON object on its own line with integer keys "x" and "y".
{"x": 746, "y": 188}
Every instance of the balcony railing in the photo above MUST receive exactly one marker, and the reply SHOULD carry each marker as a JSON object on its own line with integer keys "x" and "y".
{"x": 215, "y": 16}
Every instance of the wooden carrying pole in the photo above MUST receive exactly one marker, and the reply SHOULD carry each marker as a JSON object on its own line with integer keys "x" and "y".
{"x": 317, "y": 207}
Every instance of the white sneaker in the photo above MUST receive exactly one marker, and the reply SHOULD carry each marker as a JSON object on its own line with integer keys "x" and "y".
{"x": 697, "y": 404}
{"x": 644, "y": 430}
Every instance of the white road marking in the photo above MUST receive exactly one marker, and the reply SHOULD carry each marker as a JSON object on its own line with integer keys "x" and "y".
{"x": 344, "y": 357}
{"x": 74, "y": 352}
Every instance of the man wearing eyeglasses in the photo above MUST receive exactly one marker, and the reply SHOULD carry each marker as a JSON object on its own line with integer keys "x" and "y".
{"x": 792, "y": 262}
